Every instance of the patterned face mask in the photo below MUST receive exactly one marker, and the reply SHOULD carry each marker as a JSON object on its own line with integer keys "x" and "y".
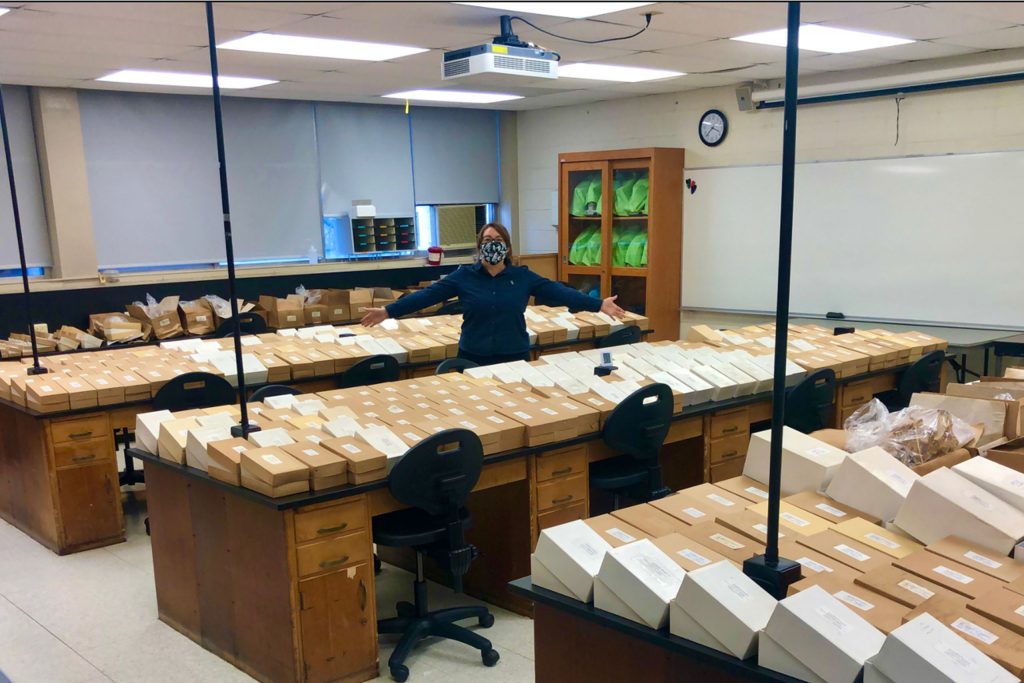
{"x": 493, "y": 252}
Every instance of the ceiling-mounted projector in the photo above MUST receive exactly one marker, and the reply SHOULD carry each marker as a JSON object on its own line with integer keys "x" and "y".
{"x": 505, "y": 55}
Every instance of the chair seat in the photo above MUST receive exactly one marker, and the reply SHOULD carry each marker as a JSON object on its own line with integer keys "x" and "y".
{"x": 618, "y": 473}
{"x": 411, "y": 527}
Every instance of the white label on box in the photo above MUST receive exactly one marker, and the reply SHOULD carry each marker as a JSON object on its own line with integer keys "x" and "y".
{"x": 981, "y": 559}
{"x": 803, "y": 345}
{"x": 915, "y": 588}
{"x": 522, "y": 415}
{"x": 726, "y": 541}
{"x": 456, "y": 411}
{"x": 46, "y": 388}
{"x": 290, "y": 318}
{"x": 200, "y": 318}
{"x": 897, "y": 477}
{"x": 720, "y": 500}
{"x": 467, "y": 424}
{"x": 953, "y": 574}
{"x": 411, "y": 436}
{"x": 1019, "y": 610}
{"x": 595, "y": 401}
{"x": 165, "y": 322}
{"x": 793, "y": 519}
{"x": 697, "y": 558}
{"x": 620, "y": 534}
{"x": 862, "y": 605}
{"x": 240, "y": 449}
{"x": 835, "y": 512}
{"x": 352, "y": 448}
{"x": 694, "y": 512}
{"x": 310, "y": 452}
{"x": 495, "y": 419}
{"x": 852, "y": 552}
{"x": 756, "y": 491}
{"x": 883, "y": 540}
{"x": 763, "y": 528}
{"x": 736, "y": 589}
{"x": 272, "y": 459}
{"x": 818, "y": 451}
{"x": 981, "y": 502}
{"x": 75, "y": 385}
{"x": 814, "y": 566}
{"x": 974, "y": 631}
{"x": 549, "y": 411}
{"x": 955, "y": 657}
{"x": 102, "y": 382}
{"x": 314, "y": 439}
{"x": 833, "y": 619}
{"x": 655, "y": 572}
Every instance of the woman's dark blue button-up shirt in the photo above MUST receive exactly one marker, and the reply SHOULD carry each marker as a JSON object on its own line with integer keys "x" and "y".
{"x": 492, "y": 319}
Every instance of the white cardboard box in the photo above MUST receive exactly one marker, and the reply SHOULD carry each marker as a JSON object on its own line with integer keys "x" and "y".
{"x": 271, "y": 437}
{"x": 609, "y": 601}
{"x": 147, "y": 428}
{"x": 807, "y": 463}
{"x": 924, "y": 649}
{"x": 728, "y": 604}
{"x": 644, "y": 578}
{"x": 773, "y": 656}
{"x": 1001, "y": 481}
{"x": 873, "y": 481}
{"x": 683, "y": 625}
{"x": 794, "y": 373}
{"x": 872, "y": 674}
{"x": 195, "y": 445}
{"x": 943, "y": 503}
{"x": 572, "y": 554}
{"x": 824, "y": 634}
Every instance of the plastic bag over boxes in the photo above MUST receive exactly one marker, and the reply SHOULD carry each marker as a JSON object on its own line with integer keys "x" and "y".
{"x": 913, "y": 435}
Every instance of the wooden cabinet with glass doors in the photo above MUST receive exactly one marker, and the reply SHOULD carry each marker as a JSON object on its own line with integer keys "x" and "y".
{"x": 620, "y": 229}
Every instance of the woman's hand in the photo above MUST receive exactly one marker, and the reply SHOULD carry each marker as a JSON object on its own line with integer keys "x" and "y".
{"x": 374, "y": 316}
{"x": 609, "y": 307}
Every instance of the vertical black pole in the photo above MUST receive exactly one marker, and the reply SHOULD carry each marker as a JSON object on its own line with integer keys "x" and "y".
{"x": 782, "y": 302}
{"x": 36, "y": 368}
{"x": 225, "y": 206}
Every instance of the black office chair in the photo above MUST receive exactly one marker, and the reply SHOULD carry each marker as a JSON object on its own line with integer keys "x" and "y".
{"x": 434, "y": 479}
{"x": 627, "y": 335}
{"x": 248, "y": 323}
{"x": 454, "y": 365}
{"x": 925, "y": 374}
{"x": 637, "y": 427}
{"x": 273, "y": 390}
{"x": 451, "y": 308}
{"x": 809, "y": 403}
{"x": 372, "y": 370}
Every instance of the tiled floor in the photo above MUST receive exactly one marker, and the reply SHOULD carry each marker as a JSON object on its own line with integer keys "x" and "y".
{"x": 91, "y": 617}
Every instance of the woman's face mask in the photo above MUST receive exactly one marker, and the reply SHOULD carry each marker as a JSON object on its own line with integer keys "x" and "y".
{"x": 493, "y": 252}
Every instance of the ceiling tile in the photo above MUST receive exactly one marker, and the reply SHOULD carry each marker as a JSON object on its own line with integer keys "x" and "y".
{"x": 103, "y": 28}
{"x": 1009, "y": 12}
{"x": 395, "y": 31}
{"x": 726, "y": 54}
{"x": 1002, "y": 39}
{"x": 815, "y": 12}
{"x": 852, "y": 60}
{"x": 651, "y": 39}
{"x": 920, "y": 22}
{"x": 711, "y": 20}
{"x": 86, "y": 44}
{"x": 922, "y": 49}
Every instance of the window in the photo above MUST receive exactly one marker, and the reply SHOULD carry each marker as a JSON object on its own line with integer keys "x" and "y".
{"x": 452, "y": 226}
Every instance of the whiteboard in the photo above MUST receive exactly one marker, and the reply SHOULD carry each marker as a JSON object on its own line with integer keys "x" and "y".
{"x": 928, "y": 239}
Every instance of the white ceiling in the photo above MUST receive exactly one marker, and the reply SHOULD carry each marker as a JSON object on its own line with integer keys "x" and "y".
{"x": 69, "y": 44}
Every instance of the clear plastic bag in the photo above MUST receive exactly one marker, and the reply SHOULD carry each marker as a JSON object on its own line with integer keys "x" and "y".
{"x": 913, "y": 435}
{"x": 221, "y": 307}
{"x": 151, "y": 307}
{"x": 310, "y": 297}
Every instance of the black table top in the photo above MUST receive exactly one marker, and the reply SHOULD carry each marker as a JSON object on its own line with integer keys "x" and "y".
{"x": 743, "y": 670}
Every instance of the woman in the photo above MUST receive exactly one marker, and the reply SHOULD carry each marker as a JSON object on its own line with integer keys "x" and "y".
{"x": 494, "y": 294}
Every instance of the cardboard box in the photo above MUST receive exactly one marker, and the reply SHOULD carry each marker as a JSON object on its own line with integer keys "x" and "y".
{"x": 614, "y": 531}
{"x": 950, "y": 575}
{"x": 363, "y": 461}
{"x": 726, "y": 604}
{"x": 944, "y": 503}
{"x": 873, "y": 480}
{"x": 321, "y": 462}
{"x": 283, "y": 313}
{"x": 745, "y": 487}
{"x": 44, "y": 394}
{"x": 884, "y": 614}
{"x": 686, "y": 552}
{"x": 273, "y": 472}
{"x": 845, "y": 550}
{"x": 270, "y": 437}
{"x": 900, "y": 585}
{"x": 174, "y": 437}
{"x": 567, "y": 559}
{"x": 806, "y": 462}
{"x": 885, "y": 540}
{"x": 1002, "y": 606}
{"x": 687, "y": 509}
{"x": 1013, "y": 424}
{"x": 1010, "y": 454}
{"x": 650, "y": 520}
{"x": 827, "y": 508}
{"x": 1004, "y": 482}
{"x": 924, "y": 649}
{"x": 723, "y": 540}
{"x": 814, "y": 564}
{"x": 163, "y": 320}
{"x": 977, "y": 557}
{"x": 546, "y": 423}
{"x": 109, "y": 391}
{"x": 793, "y": 518}
{"x": 720, "y": 500}
{"x": 81, "y": 394}
{"x": 774, "y": 657}
{"x": 750, "y": 524}
{"x": 147, "y": 428}
{"x": 1002, "y": 645}
{"x": 316, "y": 314}
{"x": 197, "y": 317}
{"x": 224, "y": 459}
{"x": 824, "y": 634}
{"x": 644, "y": 578}
{"x": 973, "y": 411}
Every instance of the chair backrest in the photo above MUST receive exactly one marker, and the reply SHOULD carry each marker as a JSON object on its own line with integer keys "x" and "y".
{"x": 194, "y": 390}
{"x": 454, "y": 365}
{"x": 372, "y": 370}
{"x": 924, "y": 375}
{"x": 627, "y": 335}
{"x": 809, "y": 403}
{"x": 638, "y": 426}
{"x": 248, "y": 323}
{"x": 452, "y": 308}
{"x": 437, "y": 474}
{"x": 272, "y": 390}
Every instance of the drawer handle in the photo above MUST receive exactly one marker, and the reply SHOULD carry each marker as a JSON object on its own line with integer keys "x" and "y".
{"x": 561, "y": 472}
{"x": 859, "y": 399}
{"x": 730, "y": 454}
{"x": 83, "y": 458}
{"x": 728, "y": 430}
{"x": 79, "y": 435}
{"x": 332, "y": 529}
{"x": 327, "y": 564}
{"x": 565, "y": 499}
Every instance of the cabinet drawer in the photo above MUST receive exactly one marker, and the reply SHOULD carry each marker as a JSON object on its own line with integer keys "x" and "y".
{"x": 561, "y": 491}
{"x": 727, "y": 470}
{"x": 334, "y": 553}
{"x": 856, "y": 394}
{"x": 845, "y": 413}
{"x": 82, "y": 452}
{"x": 329, "y": 521}
{"x": 562, "y": 515}
{"x": 83, "y": 428}
{"x": 729, "y": 448}
{"x": 563, "y": 463}
{"x": 729, "y": 423}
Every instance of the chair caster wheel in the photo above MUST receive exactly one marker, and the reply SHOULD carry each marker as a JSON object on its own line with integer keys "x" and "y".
{"x": 490, "y": 657}
{"x": 400, "y": 673}
{"x": 487, "y": 621}
{"x": 376, "y": 565}
{"x": 146, "y": 522}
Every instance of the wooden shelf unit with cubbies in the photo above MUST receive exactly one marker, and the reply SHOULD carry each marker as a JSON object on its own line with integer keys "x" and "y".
{"x": 614, "y": 238}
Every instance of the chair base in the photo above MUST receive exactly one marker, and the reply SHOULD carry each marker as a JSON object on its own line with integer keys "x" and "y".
{"x": 130, "y": 475}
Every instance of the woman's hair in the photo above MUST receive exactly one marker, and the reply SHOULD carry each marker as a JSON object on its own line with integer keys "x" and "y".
{"x": 505, "y": 236}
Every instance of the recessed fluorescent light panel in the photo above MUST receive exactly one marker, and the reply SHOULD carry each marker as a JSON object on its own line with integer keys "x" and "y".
{"x": 183, "y": 80}
{"x": 461, "y": 96}
{"x": 4, "y": 10}
{"x": 608, "y": 72}
{"x": 826, "y": 39}
{"x": 570, "y": 10}
{"x": 280, "y": 44}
